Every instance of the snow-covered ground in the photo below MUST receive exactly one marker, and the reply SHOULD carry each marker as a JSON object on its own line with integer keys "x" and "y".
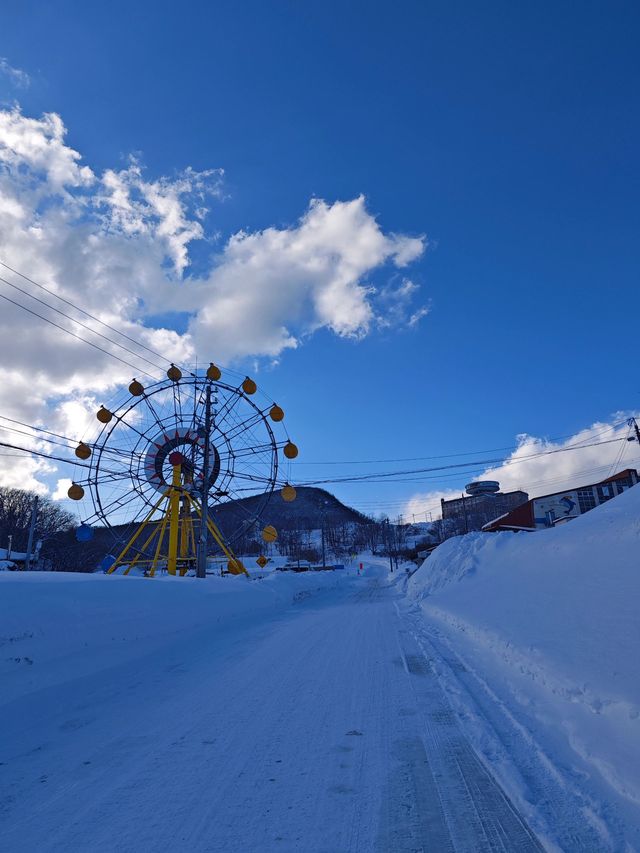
{"x": 489, "y": 703}
{"x": 547, "y": 627}
{"x": 295, "y": 713}
{"x": 58, "y": 626}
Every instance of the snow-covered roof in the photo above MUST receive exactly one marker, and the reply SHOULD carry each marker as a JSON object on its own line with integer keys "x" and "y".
{"x": 15, "y": 555}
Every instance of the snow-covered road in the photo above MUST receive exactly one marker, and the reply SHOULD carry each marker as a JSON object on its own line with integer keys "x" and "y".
{"x": 325, "y": 728}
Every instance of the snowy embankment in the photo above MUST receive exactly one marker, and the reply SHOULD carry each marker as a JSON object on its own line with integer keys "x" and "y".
{"x": 552, "y": 622}
{"x": 58, "y": 626}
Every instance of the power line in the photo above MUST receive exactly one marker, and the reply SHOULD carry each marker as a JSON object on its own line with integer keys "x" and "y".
{"x": 49, "y": 456}
{"x": 81, "y": 310}
{"x": 37, "y": 428}
{"x": 382, "y": 476}
{"x": 97, "y": 320}
{"x": 452, "y": 455}
{"x": 74, "y": 335}
{"x": 79, "y": 323}
{"x": 30, "y": 435}
{"x": 531, "y": 486}
{"x": 71, "y": 442}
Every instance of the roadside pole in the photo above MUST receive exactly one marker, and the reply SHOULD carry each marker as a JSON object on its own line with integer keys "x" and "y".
{"x": 32, "y": 528}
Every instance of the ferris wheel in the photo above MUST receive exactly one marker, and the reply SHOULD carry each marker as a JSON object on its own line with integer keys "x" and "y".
{"x": 172, "y": 465}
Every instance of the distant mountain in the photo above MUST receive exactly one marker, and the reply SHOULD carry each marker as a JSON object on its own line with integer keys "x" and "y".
{"x": 312, "y": 509}
{"x": 309, "y": 510}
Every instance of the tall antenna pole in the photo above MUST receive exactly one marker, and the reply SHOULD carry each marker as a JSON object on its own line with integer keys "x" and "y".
{"x": 204, "y": 521}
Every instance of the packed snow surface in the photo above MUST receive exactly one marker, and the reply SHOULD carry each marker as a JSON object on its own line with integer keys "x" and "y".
{"x": 56, "y": 626}
{"x": 322, "y": 712}
{"x": 298, "y": 713}
{"x": 552, "y": 620}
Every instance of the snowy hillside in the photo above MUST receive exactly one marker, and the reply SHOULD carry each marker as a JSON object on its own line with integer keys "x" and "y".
{"x": 552, "y": 618}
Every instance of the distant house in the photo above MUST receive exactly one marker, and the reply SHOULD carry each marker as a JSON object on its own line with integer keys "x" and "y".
{"x": 482, "y": 502}
{"x": 560, "y": 507}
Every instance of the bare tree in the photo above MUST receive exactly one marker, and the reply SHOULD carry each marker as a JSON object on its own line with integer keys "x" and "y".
{"x": 15, "y": 517}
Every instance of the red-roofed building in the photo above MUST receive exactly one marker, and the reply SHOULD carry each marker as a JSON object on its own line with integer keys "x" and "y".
{"x": 550, "y": 510}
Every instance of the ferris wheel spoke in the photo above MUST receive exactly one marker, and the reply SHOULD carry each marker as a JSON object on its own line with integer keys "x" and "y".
{"x": 105, "y": 478}
{"x": 152, "y": 410}
{"x": 243, "y": 426}
{"x": 250, "y": 450}
{"x": 121, "y": 452}
{"x": 230, "y": 404}
{"x": 254, "y": 478}
{"x": 241, "y": 509}
{"x": 242, "y": 432}
{"x": 121, "y": 421}
{"x": 115, "y": 504}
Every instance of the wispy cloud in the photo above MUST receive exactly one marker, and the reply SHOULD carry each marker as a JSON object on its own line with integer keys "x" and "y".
{"x": 18, "y": 78}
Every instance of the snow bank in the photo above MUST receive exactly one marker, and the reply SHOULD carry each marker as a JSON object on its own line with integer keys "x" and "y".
{"x": 54, "y": 626}
{"x": 557, "y": 614}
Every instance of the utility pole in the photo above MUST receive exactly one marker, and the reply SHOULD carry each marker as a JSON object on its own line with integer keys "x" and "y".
{"x": 388, "y": 538}
{"x": 324, "y": 555}
{"x": 32, "y": 528}
{"x": 201, "y": 571}
{"x": 634, "y": 423}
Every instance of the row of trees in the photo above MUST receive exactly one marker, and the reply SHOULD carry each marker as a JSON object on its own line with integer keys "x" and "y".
{"x": 55, "y": 531}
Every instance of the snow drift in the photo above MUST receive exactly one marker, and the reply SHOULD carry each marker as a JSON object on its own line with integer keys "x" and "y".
{"x": 554, "y": 615}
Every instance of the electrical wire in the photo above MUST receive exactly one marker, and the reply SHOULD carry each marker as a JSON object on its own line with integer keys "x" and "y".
{"x": 74, "y": 335}
{"x": 382, "y": 476}
{"x": 534, "y": 486}
{"x": 79, "y": 323}
{"x": 463, "y": 453}
{"x": 97, "y": 320}
{"x": 82, "y": 310}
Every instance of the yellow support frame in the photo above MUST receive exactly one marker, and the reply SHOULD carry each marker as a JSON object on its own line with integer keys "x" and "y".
{"x": 174, "y": 519}
{"x": 143, "y": 524}
{"x": 177, "y": 516}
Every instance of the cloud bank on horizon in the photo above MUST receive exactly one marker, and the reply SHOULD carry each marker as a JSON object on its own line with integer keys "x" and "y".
{"x": 117, "y": 244}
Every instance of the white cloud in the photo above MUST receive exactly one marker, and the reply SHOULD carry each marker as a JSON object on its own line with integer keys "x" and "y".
{"x": 277, "y": 285}
{"x": 161, "y": 208}
{"x": 16, "y": 76}
{"x": 61, "y": 489}
{"x": 117, "y": 244}
{"x": 537, "y": 474}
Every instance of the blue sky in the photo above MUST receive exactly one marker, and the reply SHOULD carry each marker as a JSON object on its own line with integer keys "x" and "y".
{"x": 507, "y": 134}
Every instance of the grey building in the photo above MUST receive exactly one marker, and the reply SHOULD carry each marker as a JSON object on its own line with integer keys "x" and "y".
{"x": 482, "y": 503}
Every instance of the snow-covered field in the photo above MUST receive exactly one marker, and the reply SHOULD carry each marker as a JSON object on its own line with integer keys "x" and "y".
{"x": 548, "y": 624}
